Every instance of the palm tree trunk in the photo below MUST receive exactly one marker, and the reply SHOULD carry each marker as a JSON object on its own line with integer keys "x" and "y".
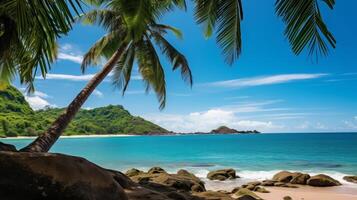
{"x": 44, "y": 142}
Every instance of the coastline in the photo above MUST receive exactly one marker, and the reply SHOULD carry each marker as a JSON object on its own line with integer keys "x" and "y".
{"x": 74, "y": 136}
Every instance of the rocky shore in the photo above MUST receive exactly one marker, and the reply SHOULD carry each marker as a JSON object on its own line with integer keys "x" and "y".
{"x": 36, "y": 176}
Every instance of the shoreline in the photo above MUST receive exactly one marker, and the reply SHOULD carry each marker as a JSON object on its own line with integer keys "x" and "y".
{"x": 74, "y": 136}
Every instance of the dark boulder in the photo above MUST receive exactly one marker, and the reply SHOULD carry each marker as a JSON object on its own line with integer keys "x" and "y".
{"x": 183, "y": 180}
{"x": 7, "y": 147}
{"x": 351, "y": 179}
{"x": 322, "y": 180}
{"x": 300, "y": 178}
{"x": 42, "y": 176}
{"x": 133, "y": 172}
{"x": 156, "y": 170}
{"x": 222, "y": 174}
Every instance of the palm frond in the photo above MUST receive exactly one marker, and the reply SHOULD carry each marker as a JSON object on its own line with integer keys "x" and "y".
{"x": 151, "y": 70}
{"x": 224, "y": 17}
{"x": 103, "y": 48}
{"x": 33, "y": 29}
{"x": 107, "y": 18}
{"x": 177, "y": 59}
{"x": 305, "y": 27}
{"x": 122, "y": 72}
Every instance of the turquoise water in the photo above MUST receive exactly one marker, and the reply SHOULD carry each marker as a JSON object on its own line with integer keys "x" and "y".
{"x": 254, "y": 156}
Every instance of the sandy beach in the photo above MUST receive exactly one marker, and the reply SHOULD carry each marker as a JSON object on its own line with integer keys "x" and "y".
{"x": 74, "y": 136}
{"x": 310, "y": 193}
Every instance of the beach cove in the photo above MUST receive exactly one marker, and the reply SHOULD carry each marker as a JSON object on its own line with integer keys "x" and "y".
{"x": 254, "y": 157}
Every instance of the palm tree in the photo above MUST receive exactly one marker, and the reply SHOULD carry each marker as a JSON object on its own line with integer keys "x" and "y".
{"x": 28, "y": 33}
{"x": 305, "y": 27}
{"x": 132, "y": 26}
{"x": 133, "y": 33}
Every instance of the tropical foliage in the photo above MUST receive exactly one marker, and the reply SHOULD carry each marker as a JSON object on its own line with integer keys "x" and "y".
{"x": 133, "y": 24}
{"x": 18, "y": 119}
{"x": 28, "y": 34}
{"x": 305, "y": 28}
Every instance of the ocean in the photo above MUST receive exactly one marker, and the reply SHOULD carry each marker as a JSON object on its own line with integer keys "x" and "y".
{"x": 255, "y": 157}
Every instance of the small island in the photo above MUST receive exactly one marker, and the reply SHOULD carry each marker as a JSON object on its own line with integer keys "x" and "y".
{"x": 227, "y": 130}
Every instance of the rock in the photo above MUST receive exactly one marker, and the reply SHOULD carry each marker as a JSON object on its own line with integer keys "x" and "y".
{"x": 183, "y": 180}
{"x": 300, "y": 178}
{"x": 322, "y": 180}
{"x": 133, "y": 172}
{"x": 352, "y": 179}
{"x": 287, "y": 198}
{"x": 7, "y": 147}
{"x": 268, "y": 183}
{"x": 33, "y": 176}
{"x": 211, "y": 195}
{"x": 156, "y": 170}
{"x": 284, "y": 176}
{"x": 261, "y": 190}
{"x": 255, "y": 183}
{"x": 235, "y": 190}
{"x": 222, "y": 174}
{"x": 245, "y": 194}
{"x": 279, "y": 184}
{"x": 250, "y": 187}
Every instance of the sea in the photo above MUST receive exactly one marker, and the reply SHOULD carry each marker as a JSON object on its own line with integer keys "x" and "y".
{"x": 253, "y": 156}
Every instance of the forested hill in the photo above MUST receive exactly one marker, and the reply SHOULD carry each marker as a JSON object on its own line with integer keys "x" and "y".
{"x": 18, "y": 119}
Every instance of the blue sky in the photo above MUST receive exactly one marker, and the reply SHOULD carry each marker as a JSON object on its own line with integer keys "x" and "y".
{"x": 268, "y": 88}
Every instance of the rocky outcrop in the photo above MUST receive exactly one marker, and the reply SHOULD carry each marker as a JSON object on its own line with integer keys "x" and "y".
{"x": 289, "y": 179}
{"x": 33, "y": 176}
{"x": 245, "y": 194}
{"x": 300, "y": 178}
{"x": 183, "y": 180}
{"x": 322, "y": 180}
{"x": 46, "y": 176}
{"x": 133, "y": 172}
{"x": 222, "y": 174}
{"x": 351, "y": 179}
{"x": 7, "y": 147}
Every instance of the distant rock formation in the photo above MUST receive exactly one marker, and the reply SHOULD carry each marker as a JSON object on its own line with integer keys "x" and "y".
{"x": 227, "y": 130}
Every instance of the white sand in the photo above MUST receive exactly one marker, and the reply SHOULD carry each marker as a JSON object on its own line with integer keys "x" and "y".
{"x": 310, "y": 193}
{"x": 73, "y": 136}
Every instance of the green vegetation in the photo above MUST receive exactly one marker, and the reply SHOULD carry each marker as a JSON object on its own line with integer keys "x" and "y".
{"x": 18, "y": 119}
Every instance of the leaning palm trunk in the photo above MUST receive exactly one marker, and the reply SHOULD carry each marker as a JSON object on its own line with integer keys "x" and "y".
{"x": 44, "y": 142}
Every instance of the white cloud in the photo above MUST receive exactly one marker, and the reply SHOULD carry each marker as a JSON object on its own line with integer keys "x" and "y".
{"x": 264, "y": 80}
{"x": 71, "y": 53}
{"x": 98, "y": 93}
{"x": 208, "y": 120}
{"x": 37, "y": 100}
{"x": 355, "y": 117}
{"x": 41, "y": 94}
{"x": 350, "y": 124}
{"x": 71, "y": 57}
{"x": 67, "y": 77}
{"x": 306, "y": 125}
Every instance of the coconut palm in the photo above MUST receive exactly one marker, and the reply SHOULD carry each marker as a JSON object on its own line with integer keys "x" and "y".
{"x": 132, "y": 36}
{"x": 305, "y": 27}
{"x": 28, "y": 33}
{"x": 132, "y": 30}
